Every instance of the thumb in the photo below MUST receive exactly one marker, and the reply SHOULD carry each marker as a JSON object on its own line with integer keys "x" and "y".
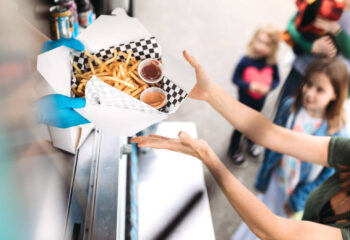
{"x": 77, "y": 102}
{"x": 185, "y": 138}
{"x": 47, "y": 46}
{"x": 191, "y": 60}
{"x": 68, "y": 102}
{"x": 73, "y": 43}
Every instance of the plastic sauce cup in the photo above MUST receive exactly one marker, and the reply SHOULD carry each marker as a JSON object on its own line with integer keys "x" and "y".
{"x": 154, "y": 96}
{"x": 150, "y": 70}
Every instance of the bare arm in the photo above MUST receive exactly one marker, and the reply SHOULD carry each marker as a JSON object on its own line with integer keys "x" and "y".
{"x": 255, "y": 214}
{"x": 259, "y": 218}
{"x": 254, "y": 125}
{"x": 262, "y": 131}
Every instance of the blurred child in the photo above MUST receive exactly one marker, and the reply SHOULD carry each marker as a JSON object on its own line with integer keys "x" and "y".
{"x": 318, "y": 110}
{"x": 320, "y": 35}
{"x": 255, "y": 75}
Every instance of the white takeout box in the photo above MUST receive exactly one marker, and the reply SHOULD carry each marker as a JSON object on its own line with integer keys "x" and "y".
{"x": 55, "y": 67}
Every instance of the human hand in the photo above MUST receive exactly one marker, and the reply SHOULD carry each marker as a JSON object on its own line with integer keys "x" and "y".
{"x": 184, "y": 144}
{"x": 259, "y": 88}
{"x": 324, "y": 46}
{"x": 328, "y": 26}
{"x": 58, "y": 111}
{"x": 68, "y": 42}
{"x": 263, "y": 89}
{"x": 254, "y": 87}
{"x": 288, "y": 210}
{"x": 204, "y": 83}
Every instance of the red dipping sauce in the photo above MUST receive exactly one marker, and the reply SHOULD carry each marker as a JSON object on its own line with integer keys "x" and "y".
{"x": 151, "y": 71}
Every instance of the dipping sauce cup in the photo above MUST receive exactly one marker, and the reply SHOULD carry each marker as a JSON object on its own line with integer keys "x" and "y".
{"x": 150, "y": 70}
{"x": 154, "y": 96}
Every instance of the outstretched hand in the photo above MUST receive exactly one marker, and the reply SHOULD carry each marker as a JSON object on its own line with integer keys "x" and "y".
{"x": 204, "y": 82}
{"x": 324, "y": 46}
{"x": 184, "y": 144}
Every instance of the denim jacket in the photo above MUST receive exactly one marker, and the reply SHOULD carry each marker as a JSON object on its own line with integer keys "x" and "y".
{"x": 272, "y": 159}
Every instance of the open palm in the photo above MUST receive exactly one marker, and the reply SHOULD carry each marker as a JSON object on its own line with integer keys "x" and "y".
{"x": 184, "y": 144}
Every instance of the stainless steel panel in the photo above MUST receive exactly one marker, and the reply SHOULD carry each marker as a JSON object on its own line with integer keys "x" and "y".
{"x": 98, "y": 194}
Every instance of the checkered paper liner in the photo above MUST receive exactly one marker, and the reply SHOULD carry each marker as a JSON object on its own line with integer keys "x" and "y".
{"x": 98, "y": 92}
{"x": 141, "y": 49}
{"x": 174, "y": 94}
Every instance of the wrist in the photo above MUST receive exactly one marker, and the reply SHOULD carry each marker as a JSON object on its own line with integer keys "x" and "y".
{"x": 212, "y": 91}
{"x": 337, "y": 31}
{"x": 208, "y": 157}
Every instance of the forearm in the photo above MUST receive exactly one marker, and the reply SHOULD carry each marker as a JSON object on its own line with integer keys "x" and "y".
{"x": 251, "y": 123}
{"x": 257, "y": 216}
{"x": 252, "y": 211}
{"x": 260, "y": 130}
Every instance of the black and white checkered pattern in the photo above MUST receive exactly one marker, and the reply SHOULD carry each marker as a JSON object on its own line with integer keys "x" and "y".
{"x": 107, "y": 95}
{"x": 142, "y": 49}
{"x": 99, "y": 93}
{"x": 175, "y": 95}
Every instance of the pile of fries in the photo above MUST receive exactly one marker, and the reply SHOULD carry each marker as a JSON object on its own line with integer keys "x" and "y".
{"x": 120, "y": 74}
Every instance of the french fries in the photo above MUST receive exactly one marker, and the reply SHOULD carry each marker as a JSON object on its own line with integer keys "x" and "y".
{"x": 121, "y": 74}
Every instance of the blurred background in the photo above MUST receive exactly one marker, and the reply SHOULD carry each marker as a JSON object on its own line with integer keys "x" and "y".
{"x": 215, "y": 32}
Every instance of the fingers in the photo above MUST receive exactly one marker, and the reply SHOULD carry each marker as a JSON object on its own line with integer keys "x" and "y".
{"x": 327, "y": 39}
{"x": 185, "y": 144}
{"x": 137, "y": 139}
{"x": 46, "y": 47}
{"x": 330, "y": 48}
{"x": 186, "y": 139}
{"x": 148, "y": 139}
{"x": 159, "y": 137}
{"x": 144, "y": 141}
{"x": 141, "y": 139}
{"x": 325, "y": 46}
{"x": 188, "y": 58}
{"x": 191, "y": 60}
{"x": 73, "y": 119}
{"x": 73, "y": 43}
{"x": 58, "y": 101}
{"x": 332, "y": 54}
{"x": 68, "y": 102}
{"x": 68, "y": 42}
{"x": 157, "y": 142}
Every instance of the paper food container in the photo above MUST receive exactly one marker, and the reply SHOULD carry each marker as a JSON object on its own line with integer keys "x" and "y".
{"x": 108, "y": 108}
